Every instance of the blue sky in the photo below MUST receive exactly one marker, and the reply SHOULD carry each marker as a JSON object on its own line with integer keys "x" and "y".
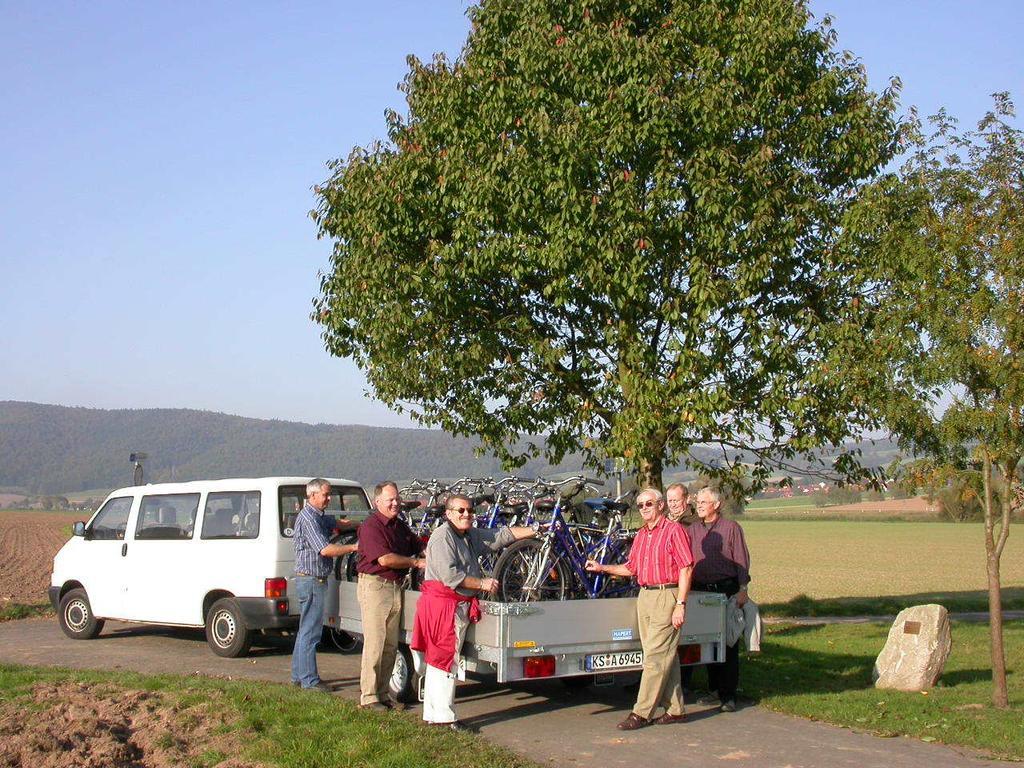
{"x": 156, "y": 163}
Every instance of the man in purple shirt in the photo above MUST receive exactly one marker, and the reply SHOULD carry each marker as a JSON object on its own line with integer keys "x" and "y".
{"x": 721, "y": 564}
{"x": 387, "y": 550}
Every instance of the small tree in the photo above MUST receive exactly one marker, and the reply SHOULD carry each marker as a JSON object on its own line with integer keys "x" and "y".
{"x": 962, "y": 320}
{"x": 622, "y": 225}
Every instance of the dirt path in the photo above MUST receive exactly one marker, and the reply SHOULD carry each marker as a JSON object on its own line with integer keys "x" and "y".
{"x": 542, "y": 720}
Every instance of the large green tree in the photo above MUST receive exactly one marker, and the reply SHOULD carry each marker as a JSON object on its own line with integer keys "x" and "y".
{"x": 961, "y": 318}
{"x": 624, "y": 226}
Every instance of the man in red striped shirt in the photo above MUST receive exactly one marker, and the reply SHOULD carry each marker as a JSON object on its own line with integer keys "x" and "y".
{"x": 662, "y": 563}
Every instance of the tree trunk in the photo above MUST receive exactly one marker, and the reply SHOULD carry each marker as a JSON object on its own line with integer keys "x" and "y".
{"x": 648, "y": 474}
{"x": 993, "y": 552}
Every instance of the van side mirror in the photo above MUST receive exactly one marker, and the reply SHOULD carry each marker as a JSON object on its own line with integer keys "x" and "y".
{"x": 78, "y": 529}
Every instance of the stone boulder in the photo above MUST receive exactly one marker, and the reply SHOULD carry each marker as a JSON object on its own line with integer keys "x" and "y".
{"x": 916, "y": 650}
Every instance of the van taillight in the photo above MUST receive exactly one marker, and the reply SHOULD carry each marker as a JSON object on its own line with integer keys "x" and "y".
{"x": 689, "y": 654}
{"x": 273, "y": 588}
{"x": 539, "y": 666}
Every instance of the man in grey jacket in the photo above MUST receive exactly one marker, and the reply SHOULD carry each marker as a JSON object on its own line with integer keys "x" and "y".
{"x": 452, "y": 581}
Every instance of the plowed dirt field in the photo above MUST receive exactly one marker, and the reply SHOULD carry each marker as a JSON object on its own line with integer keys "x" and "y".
{"x": 28, "y": 542}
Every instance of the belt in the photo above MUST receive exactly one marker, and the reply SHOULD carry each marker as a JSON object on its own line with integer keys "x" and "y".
{"x": 311, "y": 576}
{"x": 375, "y": 577}
{"x": 669, "y": 585}
{"x": 724, "y": 587}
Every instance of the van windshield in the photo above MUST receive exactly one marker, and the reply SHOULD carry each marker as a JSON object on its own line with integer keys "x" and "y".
{"x": 346, "y": 501}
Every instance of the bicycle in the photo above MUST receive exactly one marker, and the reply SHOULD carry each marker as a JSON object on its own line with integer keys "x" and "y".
{"x": 552, "y": 566}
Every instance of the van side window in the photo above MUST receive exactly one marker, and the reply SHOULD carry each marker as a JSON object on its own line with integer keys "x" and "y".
{"x": 112, "y": 521}
{"x": 232, "y": 515}
{"x": 169, "y": 516}
{"x": 345, "y": 500}
{"x": 352, "y": 500}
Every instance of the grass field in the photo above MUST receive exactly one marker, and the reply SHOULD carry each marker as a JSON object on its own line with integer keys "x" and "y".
{"x": 780, "y": 503}
{"x": 201, "y": 722}
{"x": 824, "y": 673}
{"x": 835, "y": 559}
{"x": 803, "y": 508}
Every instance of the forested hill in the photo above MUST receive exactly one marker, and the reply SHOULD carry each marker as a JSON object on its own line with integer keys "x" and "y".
{"x": 51, "y": 449}
{"x": 54, "y": 449}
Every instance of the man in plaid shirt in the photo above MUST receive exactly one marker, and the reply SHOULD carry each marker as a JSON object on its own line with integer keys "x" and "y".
{"x": 313, "y": 562}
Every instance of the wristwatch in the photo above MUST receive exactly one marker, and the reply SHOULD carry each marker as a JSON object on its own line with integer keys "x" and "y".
{"x": 680, "y": 602}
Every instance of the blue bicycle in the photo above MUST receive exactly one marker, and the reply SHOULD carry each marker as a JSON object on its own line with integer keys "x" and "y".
{"x": 552, "y": 566}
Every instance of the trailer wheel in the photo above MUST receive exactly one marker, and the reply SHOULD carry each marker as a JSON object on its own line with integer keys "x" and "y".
{"x": 76, "y": 617}
{"x": 341, "y": 639}
{"x": 226, "y": 633}
{"x": 403, "y": 676}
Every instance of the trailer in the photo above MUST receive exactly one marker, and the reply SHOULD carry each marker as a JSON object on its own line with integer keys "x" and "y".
{"x": 576, "y": 640}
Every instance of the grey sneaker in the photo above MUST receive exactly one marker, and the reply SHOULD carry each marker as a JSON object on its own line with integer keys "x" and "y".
{"x": 321, "y": 686}
{"x": 729, "y": 705}
{"x": 709, "y": 699}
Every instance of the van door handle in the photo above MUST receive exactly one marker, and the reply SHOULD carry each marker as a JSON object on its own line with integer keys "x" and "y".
{"x": 124, "y": 549}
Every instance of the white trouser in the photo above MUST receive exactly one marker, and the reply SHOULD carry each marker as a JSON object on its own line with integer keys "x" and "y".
{"x": 439, "y": 686}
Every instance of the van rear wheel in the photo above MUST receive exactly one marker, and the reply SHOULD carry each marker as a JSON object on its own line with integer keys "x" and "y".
{"x": 226, "y": 633}
{"x": 76, "y": 618}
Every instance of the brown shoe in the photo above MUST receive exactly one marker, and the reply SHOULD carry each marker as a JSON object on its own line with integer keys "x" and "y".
{"x": 668, "y": 719}
{"x": 633, "y": 722}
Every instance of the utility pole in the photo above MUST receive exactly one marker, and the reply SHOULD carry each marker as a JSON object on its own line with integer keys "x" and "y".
{"x": 137, "y": 458}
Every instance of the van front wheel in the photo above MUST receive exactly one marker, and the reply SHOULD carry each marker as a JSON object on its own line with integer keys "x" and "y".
{"x": 76, "y": 617}
{"x": 226, "y": 633}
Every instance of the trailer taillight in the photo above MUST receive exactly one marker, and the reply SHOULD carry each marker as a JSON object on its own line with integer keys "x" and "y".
{"x": 274, "y": 588}
{"x": 689, "y": 654}
{"x": 539, "y": 666}
{"x": 282, "y": 607}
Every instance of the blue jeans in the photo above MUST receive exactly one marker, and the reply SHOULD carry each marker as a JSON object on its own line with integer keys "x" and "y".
{"x": 311, "y": 623}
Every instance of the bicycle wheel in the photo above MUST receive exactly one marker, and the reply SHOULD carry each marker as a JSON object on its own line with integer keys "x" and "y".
{"x": 345, "y": 565}
{"x": 523, "y": 578}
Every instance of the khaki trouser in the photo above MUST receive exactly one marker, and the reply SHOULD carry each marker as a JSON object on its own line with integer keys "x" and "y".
{"x": 660, "y": 684}
{"x": 380, "y": 606}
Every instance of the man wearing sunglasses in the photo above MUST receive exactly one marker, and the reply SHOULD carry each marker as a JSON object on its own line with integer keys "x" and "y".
{"x": 388, "y": 549}
{"x": 448, "y": 602}
{"x": 662, "y": 563}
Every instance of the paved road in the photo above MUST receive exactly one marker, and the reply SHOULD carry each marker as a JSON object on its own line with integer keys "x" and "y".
{"x": 576, "y": 729}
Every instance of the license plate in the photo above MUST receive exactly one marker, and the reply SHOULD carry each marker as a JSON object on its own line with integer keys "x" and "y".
{"x": 602, "y": 661}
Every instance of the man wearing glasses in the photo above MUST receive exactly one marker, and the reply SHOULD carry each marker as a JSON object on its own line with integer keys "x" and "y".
{"x": 387, "y": 550}
{"x": 661, "y": 561}
{"x": 448, "y": 602}
{"x": 722, "y": 564}
{"x": 313, "y": 562}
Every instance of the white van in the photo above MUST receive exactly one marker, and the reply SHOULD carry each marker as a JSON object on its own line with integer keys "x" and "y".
{"x": 211, "y": 553}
